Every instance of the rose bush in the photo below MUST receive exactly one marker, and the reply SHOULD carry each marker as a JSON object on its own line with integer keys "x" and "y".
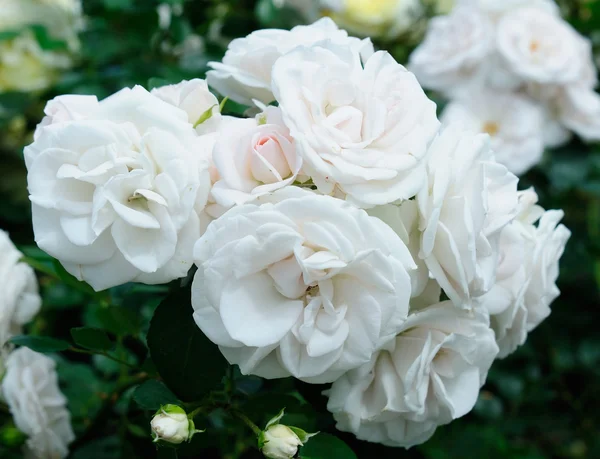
{"x": 336, "y": 242}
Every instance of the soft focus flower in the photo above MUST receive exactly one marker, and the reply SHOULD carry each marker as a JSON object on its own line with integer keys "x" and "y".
{"x": 513, "y": 50}
{"x": 539, "y": 46}
{"x": 469, "y": 198}
{"x": 453, "y": 51}
{"x": 171, "y": 424}
{"x": 24, "y": 66}
{"x": 19, "y": 297}
{"x": 428, "y": 376}
{"x": 245, "y": 73}
{"x": 514, "y": 122}
{"x": 300, "y": 284}
{"x": 252, "y": 157}
{"x": 362, "y": 132}
{"x": 39, "y": 409}
{"x": 374, "y": 18}
{"x": 115, "y": 192}
{"x": 526, "y": 273}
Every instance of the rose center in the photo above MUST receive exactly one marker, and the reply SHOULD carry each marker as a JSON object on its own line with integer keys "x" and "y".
{"x": 268, "y": 163}
{"x": 490, "y": 127}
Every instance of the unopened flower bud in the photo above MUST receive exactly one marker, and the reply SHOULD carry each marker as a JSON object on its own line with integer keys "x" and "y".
{"x": 279, "y": 442}
{"x": 172, "y": 425}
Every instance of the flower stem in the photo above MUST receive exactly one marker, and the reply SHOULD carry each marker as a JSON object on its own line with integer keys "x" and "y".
{"x": 104, "y": 354}
{"x": 257, "y": 431}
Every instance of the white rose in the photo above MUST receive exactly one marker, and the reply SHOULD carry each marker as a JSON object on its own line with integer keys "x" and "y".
{"x": 540, "y": 46}
{"x": 19, "y": 297}
{"x": 363, "y": 132}
{"x": 428, "y": 376}
{"x": 514, "y": 122}
{"x": 404, "y": 220}
{"x": 70, "y": 107}
{"x": 39, "y": 409}
{"x": 302, "y": 284}
{"x": 579, "y": 110}
{"x": 114, "y": 194}
{"x": 454, "y": 50}
{"x": 468, "y": 200}
{"x": 526, "y": 273}
{"x": 25, "y": 66}
{"x": 253, "y": 157}
{"x": 194, "y": 98}
{"x": 280, "y": 442}
{"x": 245, "y": 73}
{"x": 386, "y": 18}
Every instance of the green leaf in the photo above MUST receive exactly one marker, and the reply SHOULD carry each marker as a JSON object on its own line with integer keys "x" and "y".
{"x": 41, "y": 344}
{"x": 91, "y": 338}
{"x": 45, "y": 41}
{"x": 205, "y": 116}
{"x": 189, "y": 363}
{"x": 325, "y": 446}
{"x": 102, "y": 448}
{"x": 303, "y": 435}
{"x": 9, "y": 34}
{"x": 275, "y": 419}
{"x": 153, "y": 394}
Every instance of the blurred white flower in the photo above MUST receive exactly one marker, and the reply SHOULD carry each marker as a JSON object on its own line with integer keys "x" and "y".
{"x": 428, "y": 376}
{"x": 539, "y": 46}
{"x": 39, "y": 409}
{"x": 245, "y": 73}
{"x": 19, "y": 297}
{"x": 300, "y": 284}
{"x": 454, "y": 50}
{"x": 467, "y": 201}
{"x": 514, "y": 122}
{"x": 361, "y": 131}
{"x": 115, "y": 192}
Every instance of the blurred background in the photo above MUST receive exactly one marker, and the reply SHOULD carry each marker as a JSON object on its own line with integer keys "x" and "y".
{"x": 541, "y": 402}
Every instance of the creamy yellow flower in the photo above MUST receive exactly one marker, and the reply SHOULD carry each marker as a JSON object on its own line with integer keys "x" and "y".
{"x": 376, "y": 18}
{"x": 24, "y": 66}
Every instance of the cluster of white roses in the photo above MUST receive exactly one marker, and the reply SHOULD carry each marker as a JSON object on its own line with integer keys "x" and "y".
{"x": 514, "y": 69}
{"x": 324, "y": 228}
{"x": 28, "y": 380}
{"x": 24, "y": 64}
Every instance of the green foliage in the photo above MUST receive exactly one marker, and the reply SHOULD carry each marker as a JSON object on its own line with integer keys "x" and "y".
{"x": 123, "y": 353}
{"x": 43, "y": 344}
{"x": 187, "y": 360}
{"x": 152, "y": 394}
{"x": 325, "y": 446}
